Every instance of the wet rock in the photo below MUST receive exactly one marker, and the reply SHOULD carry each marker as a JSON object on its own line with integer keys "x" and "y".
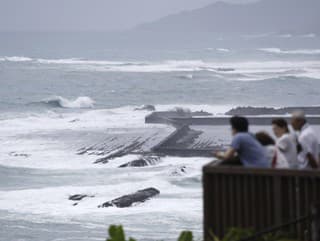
{"x": 15, "y": 154}
{"x": 249, "y": 110}
{"x": 146, "y": 107}
{"x": 170, "y": 117}
{"x": 78, "y": 197}
{"x": 225, "y": 69}
{"x": 74, "y": 120}
{"x": 179, "y": 171}
{"x": 127, "y": 200}
{"x": 142, "y": 162}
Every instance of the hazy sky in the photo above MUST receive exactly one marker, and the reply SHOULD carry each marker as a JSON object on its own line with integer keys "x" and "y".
{"x": 100, "y": 15}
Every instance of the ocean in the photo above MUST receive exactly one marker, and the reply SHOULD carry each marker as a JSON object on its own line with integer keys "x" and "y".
{"x": 62, "y": 92}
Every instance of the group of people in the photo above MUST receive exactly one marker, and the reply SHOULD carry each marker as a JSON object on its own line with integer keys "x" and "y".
{"x": 298, "y": 149}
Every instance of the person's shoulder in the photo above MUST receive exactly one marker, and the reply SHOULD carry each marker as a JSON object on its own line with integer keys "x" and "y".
{"x": 308, "y": 130}
{"x": 307, "y": 133}
{"x": 287, "y": 137}
{"x": 242, "y": 135}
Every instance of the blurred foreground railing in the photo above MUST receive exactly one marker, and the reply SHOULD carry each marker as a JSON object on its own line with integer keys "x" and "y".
{"x": 261, "y": 199}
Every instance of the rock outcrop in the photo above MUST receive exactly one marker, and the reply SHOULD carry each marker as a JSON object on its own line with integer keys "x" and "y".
{"x": 312, "y": 110}
{"x": 146, "y": 107}
{"x": 142, "y": 162}
{"x": 78, "y": 197}
{"x": 127, "y": 200}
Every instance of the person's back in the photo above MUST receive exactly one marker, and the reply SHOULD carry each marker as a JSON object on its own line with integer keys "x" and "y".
{"x": 250, "y": 151}
{"x": 308, "y": 156}
{"x": 309, "y": 143}
{"x": 275, "y": 157}
{"x": 287, "y": 144}
{"x": 244, "y": 146}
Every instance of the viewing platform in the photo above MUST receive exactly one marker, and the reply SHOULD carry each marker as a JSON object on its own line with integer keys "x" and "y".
{"x": 262, "y": 199}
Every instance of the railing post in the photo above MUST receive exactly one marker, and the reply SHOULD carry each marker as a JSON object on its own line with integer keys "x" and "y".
{"x": 315, "y": 223}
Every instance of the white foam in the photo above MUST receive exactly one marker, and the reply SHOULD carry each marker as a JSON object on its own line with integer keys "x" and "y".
{"x": 80, "y": 102}
{"x": 310, "y": 35}
{"x": 237, "y": 70}
{"x": 256, "y": 36}
{"x": 51, "y": 140}
{"x": 16, "y": 59}
{"x": 285, "y": 35}
{"x": 78, "y": 61}
{"x": 223, "y": 50}
{"x": 52, "y": 202}
{"x": 296, "y": 51}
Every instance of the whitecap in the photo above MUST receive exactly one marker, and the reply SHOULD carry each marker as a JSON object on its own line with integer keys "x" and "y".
{"x": 295, "y": 51}
{"x": 223, "y": 50}
{"x": 80, "y": 102}
{"x": 310, "y": 35}
{"x": 16, "y": 59}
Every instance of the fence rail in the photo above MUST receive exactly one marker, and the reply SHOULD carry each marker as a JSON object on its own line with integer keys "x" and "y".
{"x": 258, "y": 198}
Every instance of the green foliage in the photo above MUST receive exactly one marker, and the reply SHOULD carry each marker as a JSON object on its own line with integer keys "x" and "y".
{"x": 234, "y": 234}
{"x": 116, "y": 233}
{"x": 238, "y": 234}
{"x": 279, "y": 236}
{"x": 186, "y": 236}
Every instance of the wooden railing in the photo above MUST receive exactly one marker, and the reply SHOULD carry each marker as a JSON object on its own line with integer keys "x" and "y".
{"x": 258, "y": 198}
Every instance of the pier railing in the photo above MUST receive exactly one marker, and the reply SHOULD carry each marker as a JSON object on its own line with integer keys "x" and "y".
{"x": 259, "y": 199}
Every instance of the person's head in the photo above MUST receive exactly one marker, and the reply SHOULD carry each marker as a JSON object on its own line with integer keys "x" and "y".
{"x": 280, "y": 127}
{"x": 265, "y": 139}
{"x": 239, "y": 124}
{"x": 298, "y": 120}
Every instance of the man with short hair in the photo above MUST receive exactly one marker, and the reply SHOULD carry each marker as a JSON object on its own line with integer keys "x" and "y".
{"x": 308, "y": 156}
{"x": 249, "y": 150}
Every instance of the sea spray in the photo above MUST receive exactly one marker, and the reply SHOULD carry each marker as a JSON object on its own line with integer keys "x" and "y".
{"x": 80, "y": 102}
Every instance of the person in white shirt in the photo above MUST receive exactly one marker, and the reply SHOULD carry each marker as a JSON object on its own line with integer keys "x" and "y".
{"x": 308, "y": 156}
{"x": 286, "y": 142}
{"x": 274, "y": 155}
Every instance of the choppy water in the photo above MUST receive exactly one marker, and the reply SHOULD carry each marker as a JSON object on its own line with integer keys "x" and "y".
{"x": 63, "y": 92}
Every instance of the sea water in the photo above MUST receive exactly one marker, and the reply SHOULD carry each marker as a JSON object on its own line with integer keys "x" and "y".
{"x": 63, "y": 92}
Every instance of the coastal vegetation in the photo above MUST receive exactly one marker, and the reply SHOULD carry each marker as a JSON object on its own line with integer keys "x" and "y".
{"x": 116, "y": 233}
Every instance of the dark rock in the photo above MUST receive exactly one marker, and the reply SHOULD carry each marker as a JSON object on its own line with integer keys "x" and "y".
{"x": 142, "y": 162}
{"x": 179, "y": 171}
{"x": 146, "y": 107}
{"x": 135, "y": 163}
{"x": 127, "y": 200}
{"x": 170, "y": 117}
{"x": 74, "y": 120}
{"x": 78, "y": 197}
{"x": 225, "y": 69}
{"x": 312, "y": 110}
{"x": 19, "y": 154}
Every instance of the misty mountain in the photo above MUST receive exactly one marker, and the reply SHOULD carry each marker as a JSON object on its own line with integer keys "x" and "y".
{"x": 279, "y": 16}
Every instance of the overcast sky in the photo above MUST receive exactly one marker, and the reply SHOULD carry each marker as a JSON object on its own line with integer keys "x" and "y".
{"x": 94, "y": 15}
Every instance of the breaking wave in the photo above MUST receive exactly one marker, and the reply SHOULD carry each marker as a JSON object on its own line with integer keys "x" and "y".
{"x": 60, "y": 102}
{"x": 15, "y": 59}
{"x": 186, "y": 69}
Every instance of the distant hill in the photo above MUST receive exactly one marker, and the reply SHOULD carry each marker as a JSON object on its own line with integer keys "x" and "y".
{"x": 280, "y": 16}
